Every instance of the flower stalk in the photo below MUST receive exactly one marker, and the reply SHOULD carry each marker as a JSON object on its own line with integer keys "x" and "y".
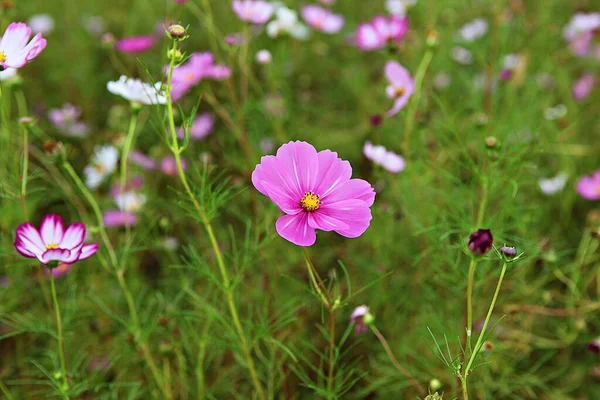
{"x": 61, "y": 350}
{"x": 129, "y": 140}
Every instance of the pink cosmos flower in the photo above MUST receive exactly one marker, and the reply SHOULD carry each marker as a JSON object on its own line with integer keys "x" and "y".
{"x": 113, "y": 218}
{"x": 255, "y": 11}
{"x": 358, "y": 317}
{"x": 60, "y": 271}
{"x": 583, "y": 87}
{"x": 140, "y": 159}
{"x": 322, "y": 19}
{"x": 199, "y": 66}
{"x": 66, "y": 120}
{"x": 380, "y": 31}
{"x": 52, "y": 242}
{"x": 136, "y": 44}
{"x": 315, "y": 191}
{"x": 579, "y": 32}
{"x": 201, "y": 127}
{"x": 168, "y": 165}
{"x": 390, "y": 161}
{"x": 588, "y": 187}
{"x": 15, "y": 52}
{"x": 401, "y": 86}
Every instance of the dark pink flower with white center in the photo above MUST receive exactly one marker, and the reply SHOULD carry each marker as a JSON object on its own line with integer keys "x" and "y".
{"x": 15, "y": 51}
{"x": 322, "y": 19}
{"x": 52, "y": 242}
{"x": 168, "y": 165}
{"x": 136, "y": 44}
{"x": 315, "y": 191}
{"x": 199, "y": 66}
{"x": 255, "y": 11}
{"x": 588, "y": 187}
{"x": 201, "y": 127}
{"x": 583, "y": 87}
{"x": 381, "y": 31}
{"x": 401, "y": 86}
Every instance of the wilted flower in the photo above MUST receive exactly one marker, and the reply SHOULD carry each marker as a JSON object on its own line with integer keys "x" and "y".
{"x": 315, "y": 191}
{"x": 199, "y": 66}
{"x": 264, "y": 57}
{"x": 201, "y": 127}
{"x": 588, "y": 187}
{"x": 381, "y": 31}
{"x": 66, "y": 120}
{"x": 480, "y": 241}
{"x": 286, "y": 22}
{"x": 401, "y": 86}
{"x": 461, "y": 55}
{"x": 140, "y": 159}
{"x": 583, "y": 87}
{"x": 553, "y": 185}
{"x": 322, "y": 19}
{"x": 136, "y": 91}
{"x": 362, "y": 318}
{"x": 255, "y": 11}
{"x": 103, "y": 164}
{"x": 390, "y": 161}
{"x": 15, "y": 52}
{"x": 136, "y": 44}
{"x": 41, "y": 23}
{"x": 52, "y": 242}
{"x": 473, "y": 30}
{"x": 168, "y": 165}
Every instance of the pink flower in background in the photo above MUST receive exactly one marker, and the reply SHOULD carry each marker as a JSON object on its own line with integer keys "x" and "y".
{"x": 583, "y": 87}
{"x": 15, "y": 52}
{"x": 322, "y": 19}
{"x": 588, "y": 187}
{"x": 52, "y": 242}
{"x": 315, "y": 191}
{"x": 362, "y": 318}
{"x": 579, "y": 32}
{"x": 66, "y": 120}
{"x": 401, "y": 86}
{"x": 60, "y": 271}
{"x": 141, "y": 160}
{"x": 390, "y": 161}
{"x": 135, "y": 184}
{"x": 255, "y": 11}
{"x": 129, "y": 202}
{"x": 136, "y": 44}
{"x": 234, "y": 39}
{"x": 201, "y": 127}
{"x": 112, "y": 218}
{"x": 380, "y": 31}
{"x": 199, "y": 66}
{"x": 168, "y": 165}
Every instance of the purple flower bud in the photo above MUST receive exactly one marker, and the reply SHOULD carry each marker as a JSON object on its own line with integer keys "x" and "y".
{"x": 480, "y": 241}
{"x": 376, "y": 120}
{"x": 508, "y": 252}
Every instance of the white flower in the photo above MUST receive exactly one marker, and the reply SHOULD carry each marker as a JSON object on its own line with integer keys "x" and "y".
{"x": 286, "y": 22}
{"x": 94, "y": 25}
{"x": 553, "y": 113}
{"x": 103, "y": 163}
{"x": 553, "y": 185}
{"x": 136, "y": 91}
{"x": 581, "y": 23}
{"x": 399, "y": 7}
{"x": 264, "y": 57}
{"x": 390, "y": 161}
{"x": 41, "y": 23}
{"x": 441, "y": 81}
{"x": 461, "y": 55}
{"x": 8, "y": 74}
{"x": 473, "y": 30}
{"x": 130, "y": 201}
{"x": 170, "y": 243}
{"x": 512, "y": 61}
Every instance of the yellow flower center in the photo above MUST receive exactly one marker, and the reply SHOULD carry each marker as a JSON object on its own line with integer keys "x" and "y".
{"x": 189, "y": 77}
{"x": 51, "y": 246}
{"x": 310, "y": 202}
{"x": 2, "y": 56}
{"x": 399, "y": 91}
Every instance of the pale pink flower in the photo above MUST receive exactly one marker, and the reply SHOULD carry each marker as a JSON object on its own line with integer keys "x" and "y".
{"x": 15, "y": 51}
{"x": 66, "y": 119}
{"x": 52, "y": 242}
{"x": 588, "y": 187}
{"x": 199, "y": 66}
{"x": 579, "y": 32}
{"x": 583, "y": 87}
{"x": 136, "y": 44}
{"x": 315, "y": 191}
{"x": 381, "y": 31}
{"x": 401, "y": 86}
{"x": 142, "y": 160}
{"x": 389, "y": 160}
{"x": 168, "y": 165}
{"x": 201, "y": 127}
{"x": 322, "y": 19}
{"x": 112, "y": 218}
{"x": 255, "y": 11}
{"x": 264, "y": 57}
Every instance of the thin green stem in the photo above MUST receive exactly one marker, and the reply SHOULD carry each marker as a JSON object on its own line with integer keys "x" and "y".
{"x": 61, "y": 350}
{"x": 124, "y": 162}
{"x": 5, "y": 391}
{"x": 226, "y": 280}
{"x": 25, "y": 171}
{"x": 472, "y": 266}
{"x": 330, "y": 382}
{"x": 316, "y": 279}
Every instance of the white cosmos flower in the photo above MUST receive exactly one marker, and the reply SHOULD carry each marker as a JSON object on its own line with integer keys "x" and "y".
{"x": 41, "y": 23}
{"x": 553, "y": 185}
{"x": 136, "y": 91}
{"x": 461, "y": 55}
{"x": 130, "y": 201}
{"x": 473, "y": 30}
{"x": 103, "y": 164}
{"x": 286, "y": 22}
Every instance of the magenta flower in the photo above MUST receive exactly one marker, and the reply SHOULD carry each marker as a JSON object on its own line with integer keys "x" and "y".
{"x": 322, "y": 19}
{"x": 66, "y": 119}
{"x": 136, "y": 44}
{"x": 255, "y": 11}
{"x": 199, "y": 66}
{"x": 588, "y": 187}
{"x": 583, "y": 87}
{"x": 52, "y": 242}
{"x": 201, "y": 127}
{"x": 315, "y": 191}
{"x": 380, "y": 31}
{"x": 15, "y": 52}
{"x": 401, "y": 86}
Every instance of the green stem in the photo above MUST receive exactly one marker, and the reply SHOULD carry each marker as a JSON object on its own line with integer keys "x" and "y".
{"x": 124, "y": 162}
{"x": 316, "y": 279}
{"x": 330, "y": 382}
{"x": 25, "y": 171}
{"x": 61, "y": 350}
{"x": 472, "y": 266}
{"x": 211, "y": 235}
{"x": 5, "y": 391}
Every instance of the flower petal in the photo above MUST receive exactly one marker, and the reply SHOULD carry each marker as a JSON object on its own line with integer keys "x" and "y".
{"x": 333, "y": 172}
{"x": 354, "y": 213}
{"x": 88, "y": 250}
{"x": 55, "y": 255}
{"x": 73, "y": 236}
{"x": 301, "y": 162}
{"x": 271, "y": 170}
{"x": 52, "y": 229}
{"x": 295, "y": 229}
{"x": 324, "y": 222}
{"x": 22, "y": 248}
{"x": 352, "y": 189}
{"x": 30, "y": 239}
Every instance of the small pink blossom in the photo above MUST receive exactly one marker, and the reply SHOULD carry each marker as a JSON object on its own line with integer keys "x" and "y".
{"x": 579, "y": 32}
{"x": 358, "y": 317}
{"x": 583, "y": 87}
{"x": 315, "y": 191}
{"x": 381, "y": 31}
{"x": 201, "y": 127}
{"x": 255, "y": 11}
{"x": 136, "y": 44}
{"x": 390, "y": 161}
{"x": 322, "y": 19}
{"x": 234, "y": 39}
{"x": 52, "y": 242}
{"x": 113, "y": 218}
{"x": 140, "y": 159}
{"x": 15, "y": 52}
{"x": 401, "y": 86}
{"x": 65, "y": 119}
{"x": 200, "y": 66}
{"x": 168, "y": 165}
{"x": 588, "y": 187}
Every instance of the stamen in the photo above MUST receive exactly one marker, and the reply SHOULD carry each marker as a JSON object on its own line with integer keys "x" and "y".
{"x": 310, "y": 202}
{"x": 399, "y": 91}
{"x": 2, "y": 56}
{"x": 51, "y": 246}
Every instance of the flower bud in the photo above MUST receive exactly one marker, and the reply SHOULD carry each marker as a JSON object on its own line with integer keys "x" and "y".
{"x": 26, "y": 121}
{"x": 175, "y": 54}
{"x": 594, "y": 345}
{"x": 491, "y": 142}
{"x": 480, "y": 241}
{"x": 176, "y": 31}
{"x": 435, "y": 384}
{"x": 264, "y": 57}
{"x": 432, "y": 39}
{"x": 508, "y": 252}
{"x": 52, "y": 148}
{"x": 434, "y": 396}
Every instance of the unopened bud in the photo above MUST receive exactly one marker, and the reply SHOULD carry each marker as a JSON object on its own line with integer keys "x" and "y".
{"x": 432, "y": 39}
{"x": 175, "y": 54}
{"x": 435, "y": 384}
{"x": 26, "y": 121}
{"x": 52, "y": 148}
{"x": 508, "y": 252}
{"x": 480, "y": 241}
{"x": 491, "y": 142}
{"x": 176, "y": 31}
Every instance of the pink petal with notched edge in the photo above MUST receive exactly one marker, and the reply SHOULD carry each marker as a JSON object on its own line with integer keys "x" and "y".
{"x": 271, "y": 179}
{"x": 295, "y": 229}
{"x": 51, "y": 229}
{"x": 30, "y": 239}
{"x": 324, "y": 222}
{"x": 22, "y": 248}
{"x": 35, "y": 47}
{"x": 333, "y": 172}
{"x": 353, "y": 189}
{"x": 88, "y": 250}
{"x": 73, "y": 236}
{"x": 356, "y": 214}
{"x": 55, "y": 255}
{"x": 300, "y": 161}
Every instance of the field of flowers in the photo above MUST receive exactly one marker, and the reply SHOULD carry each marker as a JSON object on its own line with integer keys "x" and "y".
{"x": 299, "y": 199}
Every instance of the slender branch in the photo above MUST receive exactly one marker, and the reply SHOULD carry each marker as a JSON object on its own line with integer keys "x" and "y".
{"x": 61, "y": 349}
